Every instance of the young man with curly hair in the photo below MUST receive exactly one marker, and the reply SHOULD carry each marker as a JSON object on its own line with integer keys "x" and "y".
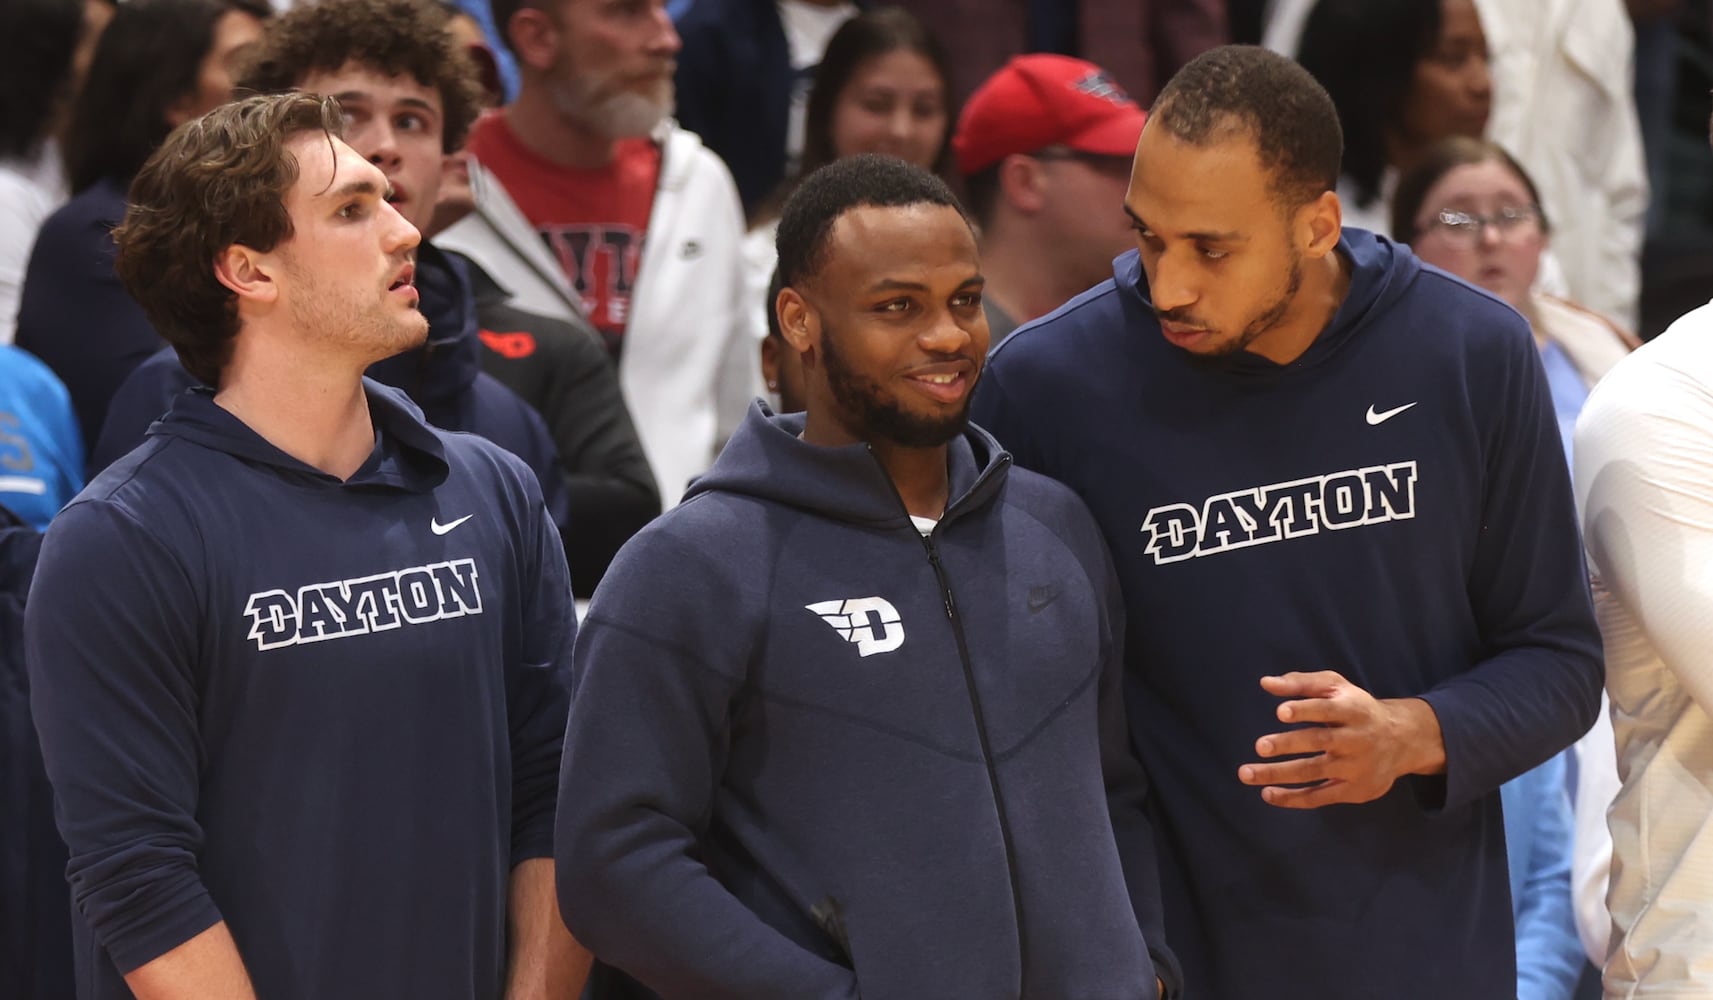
{"x": 298, "y": 662}
{"x": 409, "y": 95}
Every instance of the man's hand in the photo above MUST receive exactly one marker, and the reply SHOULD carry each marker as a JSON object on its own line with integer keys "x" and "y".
{"x": 1359, "y": 745}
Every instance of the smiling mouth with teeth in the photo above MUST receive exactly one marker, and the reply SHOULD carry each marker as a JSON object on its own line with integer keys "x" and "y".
{"x": 939, "y": 379}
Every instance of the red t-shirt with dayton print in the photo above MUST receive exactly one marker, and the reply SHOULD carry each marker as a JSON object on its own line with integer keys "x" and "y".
{"x": 593, "y": 221}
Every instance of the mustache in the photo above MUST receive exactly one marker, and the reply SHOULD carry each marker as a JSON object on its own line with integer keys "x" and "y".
{"x": 1179, "y": 317}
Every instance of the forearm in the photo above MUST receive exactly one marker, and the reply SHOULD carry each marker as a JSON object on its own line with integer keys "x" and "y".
{"x": 544, "y": 962}
{"x": 207, "y": 967}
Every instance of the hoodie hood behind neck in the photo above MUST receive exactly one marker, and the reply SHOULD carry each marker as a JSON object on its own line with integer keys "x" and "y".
{"x": 438, "y": 374}
{"x": 1380, "y": 272}
{"x": 766, "y": 459}
{"x": 408, "y": 455}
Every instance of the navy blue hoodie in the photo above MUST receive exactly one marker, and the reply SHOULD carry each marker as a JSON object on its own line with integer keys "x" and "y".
{"x": 75, "y": 314}
{"x": 806, "y": 740}
{"x": 327, "y": 712}
{"x": 1393, "y": 505}
{"x": 35, "y": 908}
{"x": 443, "y": 378}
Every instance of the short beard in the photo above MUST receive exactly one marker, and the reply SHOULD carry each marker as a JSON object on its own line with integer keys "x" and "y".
{"x": 879, "y": 416}
{"x": 616, "y": 114}
{"x": 1269, "y": 319}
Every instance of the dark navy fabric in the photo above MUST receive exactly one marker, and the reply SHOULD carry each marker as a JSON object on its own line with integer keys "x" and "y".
{"x": 783, "y": 729}
{"x": 75, "y": 314}
{"x": 443, "y": 378}
{"x": 35, "y": 905}
{"x": 328, "y": 712}
{"x": 1393, "y": 505}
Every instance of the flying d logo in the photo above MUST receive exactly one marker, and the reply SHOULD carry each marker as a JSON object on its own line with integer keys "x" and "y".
{"x": 870, "y": 622}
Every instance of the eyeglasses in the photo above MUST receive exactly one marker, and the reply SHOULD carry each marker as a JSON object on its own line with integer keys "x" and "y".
{"x": 1509, "y": 222}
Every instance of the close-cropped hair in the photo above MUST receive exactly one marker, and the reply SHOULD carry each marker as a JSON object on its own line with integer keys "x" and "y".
{"x": 148, "y": 59}
{"x": 217, "y": 181}
{"x": 838, "y": 187}
{"x": 391, "y": 37}
{"x": 1365, "y": 53}
{"x": 41, "y": 37}
{"x": 1245, "y": 90}
{"x": 1440, "y": 159}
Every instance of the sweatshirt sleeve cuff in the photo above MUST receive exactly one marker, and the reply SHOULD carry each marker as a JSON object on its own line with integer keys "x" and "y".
{"x": 138, "y": 938}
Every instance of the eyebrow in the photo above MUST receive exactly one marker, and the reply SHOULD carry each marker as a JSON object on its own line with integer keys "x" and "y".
{"x": 364, "y": 98}
{"x": 1204, "y": 237}
{"x": 350, "y": 188}
{"x": 897, "y": 285}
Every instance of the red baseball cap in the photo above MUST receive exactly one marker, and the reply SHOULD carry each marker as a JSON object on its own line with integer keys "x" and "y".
{"x": 1042, "y": 100}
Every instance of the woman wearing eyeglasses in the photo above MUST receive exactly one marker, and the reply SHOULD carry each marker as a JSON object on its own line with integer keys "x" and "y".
{"x": 1469, "y": 208}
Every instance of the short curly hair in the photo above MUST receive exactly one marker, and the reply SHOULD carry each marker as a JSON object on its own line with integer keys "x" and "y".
{"x": 389, "y": 36}
{"x": 217, "y": 181}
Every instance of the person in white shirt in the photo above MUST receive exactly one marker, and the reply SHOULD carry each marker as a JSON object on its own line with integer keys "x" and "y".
{"x": 45, "y": 47}
{"x": 1644, "y": 481}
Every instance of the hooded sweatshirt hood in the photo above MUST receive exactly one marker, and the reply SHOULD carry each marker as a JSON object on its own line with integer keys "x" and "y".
{"x": 407, "y": 456}
{"x": 767, "y": 459}
{"x": 1380, "y": 271}
{"x": 437, "y": 374}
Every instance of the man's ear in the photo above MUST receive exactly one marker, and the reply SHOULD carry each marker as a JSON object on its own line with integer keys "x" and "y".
{"x": 248, "y": 273}
{"x": 798, "y": 322}
{"x": 1020, "y": 182}
{"x": 1322, "y": 222}
{"x": 534, "y": 35}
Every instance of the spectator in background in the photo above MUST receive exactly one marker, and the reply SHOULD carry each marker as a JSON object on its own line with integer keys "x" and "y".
{"x": 1561, "y": 103}
{"x": 1045, "y": 147}
{"x": 41, "y": 42}
{"x": 1564, "y": 105}
{"x": 881, "y": 88}
{"x": 35, "y": 908}
{"x": 590, "y": 202}
{"x": 1403, "y": 74}
{"x": 1468, "y": 207}
{"x": 743, "y": 82}
{"x": 1141, "y": 42}
{"x": 159, "y": 64}
{"x": 41, "y": 452}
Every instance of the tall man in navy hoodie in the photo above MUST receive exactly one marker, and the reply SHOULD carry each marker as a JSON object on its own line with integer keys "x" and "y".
{"x": 848, "y": 719}
{"x": 1332, "y": 482}
{"x": 298, "y": 661}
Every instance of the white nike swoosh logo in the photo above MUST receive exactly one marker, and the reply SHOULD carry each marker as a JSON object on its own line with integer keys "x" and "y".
{"x": 1374, "y": 419}
{"x": 435, "y": 526}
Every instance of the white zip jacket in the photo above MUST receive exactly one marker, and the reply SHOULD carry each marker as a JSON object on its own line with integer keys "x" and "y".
{"x": 689, "y": 368}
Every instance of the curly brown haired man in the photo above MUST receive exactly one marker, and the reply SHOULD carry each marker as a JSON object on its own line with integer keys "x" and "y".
{"x": 310, "y": 751}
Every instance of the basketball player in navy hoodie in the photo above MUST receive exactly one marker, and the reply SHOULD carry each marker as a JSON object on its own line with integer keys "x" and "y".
{"x": 1332, "y": 482}
{"x": 298, "y": 661}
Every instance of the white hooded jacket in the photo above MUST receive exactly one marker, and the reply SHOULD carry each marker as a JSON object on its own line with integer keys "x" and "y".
{"x": 689, "y": 369}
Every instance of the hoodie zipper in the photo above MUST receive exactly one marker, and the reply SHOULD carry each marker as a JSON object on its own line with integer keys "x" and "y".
{"x": 951, "y": 607}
